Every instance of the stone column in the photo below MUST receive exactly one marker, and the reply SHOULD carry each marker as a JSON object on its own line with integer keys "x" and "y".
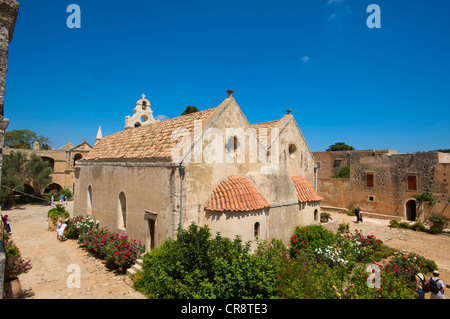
{"x": 8, "y": 15}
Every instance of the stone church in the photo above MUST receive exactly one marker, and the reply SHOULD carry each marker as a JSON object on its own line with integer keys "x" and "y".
{"x": 210, "y": 167}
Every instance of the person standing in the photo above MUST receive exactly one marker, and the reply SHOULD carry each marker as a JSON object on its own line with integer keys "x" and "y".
{"x": 437, "y": 286}
{"x": 358, "y": 215}
{"x": 420, "y": 282}
{"x": 60, "y": 232}
{"x": 7, "y": 224}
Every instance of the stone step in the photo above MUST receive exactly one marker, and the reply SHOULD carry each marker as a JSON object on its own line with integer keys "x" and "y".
{"x": 136, "y": 267}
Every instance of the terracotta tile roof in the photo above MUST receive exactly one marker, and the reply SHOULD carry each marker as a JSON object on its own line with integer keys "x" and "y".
{"x": 265, "y": 125}
{"x": 305, "y": 191}
{"x": 236, "y": 193}
{"x": 150, "y": 141}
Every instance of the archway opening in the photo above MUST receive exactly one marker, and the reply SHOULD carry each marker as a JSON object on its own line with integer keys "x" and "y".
{"x": 49, "y": 160}
{"x": 76, "y": 158}
{"x": 411, "y": 213}
{"x": 52, "y": 187}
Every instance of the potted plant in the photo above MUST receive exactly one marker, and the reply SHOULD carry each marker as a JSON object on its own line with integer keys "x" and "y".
{"x": 57, "y": 213}
{"x": 15, "y": 265}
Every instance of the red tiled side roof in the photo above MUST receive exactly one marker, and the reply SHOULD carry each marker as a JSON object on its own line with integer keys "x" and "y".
{"x": 236, "y": 193}
{"x": 305, "y": 191}
{"x": 150, "y": 141}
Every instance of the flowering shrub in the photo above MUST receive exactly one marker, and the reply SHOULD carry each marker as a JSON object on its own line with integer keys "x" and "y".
{"x": 58, "y": 212}
{"x": 332, "y": 255}
{"x": 117, "y": 250}
{"x": 310, "y": 238}
{"x": 408, "y": 262}
{"x": 391, "y": 285}
{"x": 15, "y": 265}
{"x": 79, "y": 225}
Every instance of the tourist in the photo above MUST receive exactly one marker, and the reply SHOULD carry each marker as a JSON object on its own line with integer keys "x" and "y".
{"x": 437, "y": 286}
{"x": 7, "y": 223}
{"x": 420, "y": 282}
{"x": 58, "y": 226}
{"x": 358, "y": 215}
{"x": 60, "y": 232}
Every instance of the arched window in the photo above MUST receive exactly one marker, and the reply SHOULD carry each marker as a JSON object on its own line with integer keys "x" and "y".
{"x": 232, "y": 145}
{"x": 122, "y": 211}
{"x": 292, "y": 151}
{"x": 76, "y": 158}
{"x": 49, "y": 160}
{"x": 89, "y": 200}
{"x": 256, "y": 229}
{"x": 316, "y": 215}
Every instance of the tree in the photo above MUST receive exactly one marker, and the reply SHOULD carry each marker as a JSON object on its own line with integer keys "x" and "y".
{"x": 422, "y": 199}
{"x": 39, "y": 172}
{"x": 189, "y": 109}
{"x": 340, "y": 146}
{"x": 24, "y": 139}
{"x": 344, "y": 172}
{"x": 18, "y": 170}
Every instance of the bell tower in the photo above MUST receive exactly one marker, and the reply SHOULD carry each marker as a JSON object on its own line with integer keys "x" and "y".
{"x": 143, "y": 114}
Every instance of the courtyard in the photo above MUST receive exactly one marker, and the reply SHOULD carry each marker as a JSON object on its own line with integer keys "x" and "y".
{"x": 48, "y": 279}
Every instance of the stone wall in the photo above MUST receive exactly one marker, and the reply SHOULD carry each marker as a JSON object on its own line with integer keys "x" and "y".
{"x": 8, "y": 15}
{"x": 382, "y": 181}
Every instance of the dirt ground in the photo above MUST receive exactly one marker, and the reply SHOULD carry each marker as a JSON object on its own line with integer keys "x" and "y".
{"x": 51, "y": 260}
{"x": 49, "y": 277}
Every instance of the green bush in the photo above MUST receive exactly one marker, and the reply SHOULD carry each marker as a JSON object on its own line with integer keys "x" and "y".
{"x": 418, "y": 226}
{"x": 309, "y": 238}
{"x": 58, "y": 212}
{"x": 343, "y": 228}
{"x": 344, "y": 172}
{"x": 405, "y": 225}
{"x": 439, "y": 222}
{"x": 66, "y": 192}
{"x": 394, "y": 224}
{"x": 324, "y": 217}
{"x": 195, "y": 265}
{"x": 435, "y": 230}
{"x": 198, "y": 266}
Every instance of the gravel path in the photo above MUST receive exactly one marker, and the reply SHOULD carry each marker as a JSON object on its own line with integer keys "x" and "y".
{"x": 55, "y": 263}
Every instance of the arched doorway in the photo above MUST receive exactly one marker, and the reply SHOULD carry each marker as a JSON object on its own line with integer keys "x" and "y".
{"x": 52, "y": 187}
{"x": 411, "y": 213}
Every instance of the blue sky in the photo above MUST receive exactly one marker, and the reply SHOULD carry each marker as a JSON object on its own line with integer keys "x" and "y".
{"x": 371, "y": 88}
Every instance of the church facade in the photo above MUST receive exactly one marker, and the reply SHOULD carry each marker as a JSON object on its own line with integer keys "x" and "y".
{"x": 210, "y": 168}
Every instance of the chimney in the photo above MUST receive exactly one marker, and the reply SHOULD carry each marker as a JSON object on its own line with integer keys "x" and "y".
{"x": 230, "y": 92}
